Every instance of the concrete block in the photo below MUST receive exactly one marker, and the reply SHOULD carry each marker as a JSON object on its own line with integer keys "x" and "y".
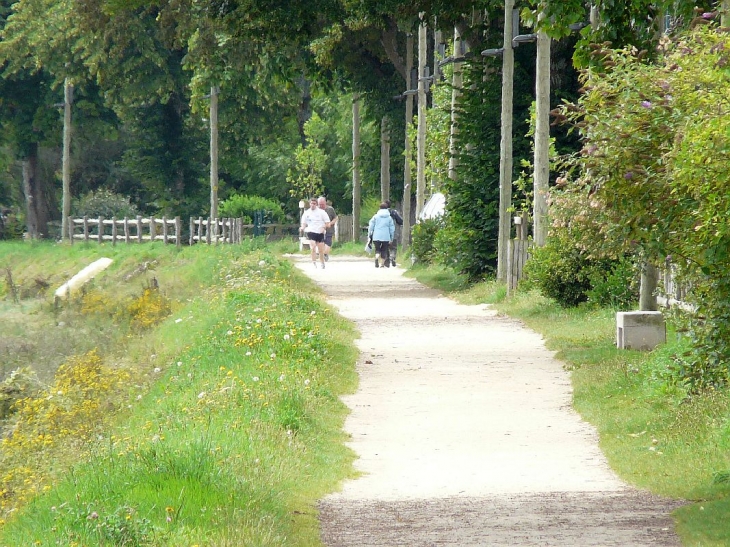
{"x": 640, "y": 330}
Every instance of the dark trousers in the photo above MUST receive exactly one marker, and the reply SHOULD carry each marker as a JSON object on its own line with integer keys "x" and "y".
{"x": 381, "y": 249}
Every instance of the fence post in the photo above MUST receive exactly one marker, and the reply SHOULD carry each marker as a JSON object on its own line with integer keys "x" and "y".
{"x": 71, "y": 230}
{"x": 126, "y": 230}
{"x": 207, "y": 232}
{"x": 153, "y": 229}
{"x": 192, "y": 233}
{"x": 86, "y": 229}
{"x": 178, "y": 231}
{"x": 139, "y": 228}
{"x": 114, "y": 231}
{"x": 164, "y": 229}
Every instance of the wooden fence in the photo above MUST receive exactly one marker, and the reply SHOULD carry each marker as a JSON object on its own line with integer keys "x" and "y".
{"x": 136, "y": 230}
{"x": 202, "y": 230}
{"x": 518, "y": 253}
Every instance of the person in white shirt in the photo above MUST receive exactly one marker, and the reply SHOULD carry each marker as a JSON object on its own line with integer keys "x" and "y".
{"x": 314, "y": 224}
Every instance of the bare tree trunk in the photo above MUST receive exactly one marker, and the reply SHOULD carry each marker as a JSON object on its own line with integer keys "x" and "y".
{"x": 647, "y": 288}
{"x": 305, "y": 108}
{"x": 214, "y": 151}
{"x": 542, "y": 136}
{"x": 407, "y": 153}
{"x": 37, "y": 212}
{"x": 68, "y": 94}
{"x": 505, "y": 163}
{"x": 457, "y": 81}
{"x": 356, "y": 168}
{"x": 421, "y": 140}
{"x": 384, "y": 159}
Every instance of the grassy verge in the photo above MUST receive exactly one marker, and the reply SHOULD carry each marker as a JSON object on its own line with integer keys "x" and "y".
{"x": 198, "y": 409}
{"x": 654, "y": 433}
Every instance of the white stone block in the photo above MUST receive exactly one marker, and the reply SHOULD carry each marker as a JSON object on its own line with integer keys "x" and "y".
{"x": 640, "y": 330}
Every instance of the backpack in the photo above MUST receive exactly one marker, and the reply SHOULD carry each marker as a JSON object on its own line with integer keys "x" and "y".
{"x": 396, "y": 217}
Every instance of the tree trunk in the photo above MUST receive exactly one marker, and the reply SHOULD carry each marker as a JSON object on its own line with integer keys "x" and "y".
{"x": 68, "y": 94}
{"x": 421, "y": 140}
{"x": 505, "y": 153}
{"x": 384, "y": 159}
{"x": 356, "y": 168}
{"x": 37, "y": 212}
{"x": 214, "y": 152}
{"x": 407, "y": 153}
{"x": 647, "y": 288}
{"x": 457, "y": 82}
{"x": 542, "y": 137}
{"x": 305, "y": 108}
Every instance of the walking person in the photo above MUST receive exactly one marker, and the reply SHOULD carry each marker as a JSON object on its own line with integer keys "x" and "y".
{"x": 330, "y": 231}
{"x": 398, "y": 219}
{"x": 381, "y": 230}
{"x": 314, "y": 224}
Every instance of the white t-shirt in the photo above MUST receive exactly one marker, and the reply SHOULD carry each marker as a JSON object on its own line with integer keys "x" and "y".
{"x": 314, "y": 220}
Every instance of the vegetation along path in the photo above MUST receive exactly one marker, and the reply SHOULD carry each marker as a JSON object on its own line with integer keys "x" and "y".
{"x": 464, "y": 431}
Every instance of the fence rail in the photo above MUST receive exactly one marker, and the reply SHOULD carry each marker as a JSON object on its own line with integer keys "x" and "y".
{"x": 126, "y": 230}
{"x": 202, "y": 230}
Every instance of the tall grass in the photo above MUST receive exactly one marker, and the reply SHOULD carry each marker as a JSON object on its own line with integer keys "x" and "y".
{"x": 655, "y": 433}
{"x": 230, "y": 426}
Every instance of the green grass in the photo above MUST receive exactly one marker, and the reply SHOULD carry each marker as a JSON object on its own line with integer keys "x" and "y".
{"x": 231, "y": 427}
{"x": 655, "y": 434}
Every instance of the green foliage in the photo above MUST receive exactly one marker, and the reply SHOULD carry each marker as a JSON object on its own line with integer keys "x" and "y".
{"x": 305, "y": 178}
{"x": 242, "y": 206}
{"x": 423, "y": 237}
{"x": 105, "y": 203}
{"x": 652, "y": 174}
{"x": 571, "y": 276}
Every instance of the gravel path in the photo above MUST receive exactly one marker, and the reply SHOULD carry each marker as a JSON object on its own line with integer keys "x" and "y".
{"x": 465, "y": 432}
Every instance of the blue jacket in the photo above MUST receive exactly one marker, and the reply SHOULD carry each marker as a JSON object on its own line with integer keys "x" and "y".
{"x": 381, "y": 227}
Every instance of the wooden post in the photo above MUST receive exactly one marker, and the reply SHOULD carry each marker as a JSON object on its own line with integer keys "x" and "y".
{"x": 207, "y": 232}
{"x": 86, "y": 229}
{"x": 126, "y": 230}
{"x": 100, "y": 232}
{"x": 178, "y": 231}
{"x": 153, "y": 229}
{"x": 68, "y": 94}
{"x": 71, "y": 230}
{"x": 139, "y": 229}
{"x": 114, "y": 231}
{"x": 164, "y": 230}
{"x": 192, "y": 231}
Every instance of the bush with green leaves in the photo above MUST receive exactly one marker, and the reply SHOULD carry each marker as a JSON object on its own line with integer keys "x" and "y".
{"x": 104, "y": 203}
{"x": 423, "y": 237}
{"x": 243, "y": 206}
{"x": 570, "y": 276}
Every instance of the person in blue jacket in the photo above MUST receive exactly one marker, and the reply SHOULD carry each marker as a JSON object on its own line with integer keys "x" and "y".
{"x": 381, "y": 230}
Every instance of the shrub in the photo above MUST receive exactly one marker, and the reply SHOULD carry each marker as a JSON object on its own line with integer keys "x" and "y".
{"x": 104, "y": 203}
{"x": 567, "y": 274}
{"x": 424, "y": 235}
{"x": 242, "y": 206}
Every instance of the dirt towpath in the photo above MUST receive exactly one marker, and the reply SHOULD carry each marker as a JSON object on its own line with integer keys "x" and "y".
{"x": 465, "y": 432}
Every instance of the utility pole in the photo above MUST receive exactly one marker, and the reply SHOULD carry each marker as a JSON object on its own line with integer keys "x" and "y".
{"x": 68, "y": 97}
{"x": 421, "y": 140}
{"x": 214, "y": 91}
{"x": 356, "y": 167}
{"x": 505, "y": 148}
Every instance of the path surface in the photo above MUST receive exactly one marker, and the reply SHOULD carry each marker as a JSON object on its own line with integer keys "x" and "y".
{"x": 465, "y": 432}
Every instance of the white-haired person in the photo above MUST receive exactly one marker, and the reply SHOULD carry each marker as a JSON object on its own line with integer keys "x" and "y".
{"x": 314, "y": 224}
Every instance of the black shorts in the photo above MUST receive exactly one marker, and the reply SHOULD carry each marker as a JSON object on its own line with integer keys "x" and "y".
{"x": 328, "y": 239}
{"x": 317, "y": 238}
